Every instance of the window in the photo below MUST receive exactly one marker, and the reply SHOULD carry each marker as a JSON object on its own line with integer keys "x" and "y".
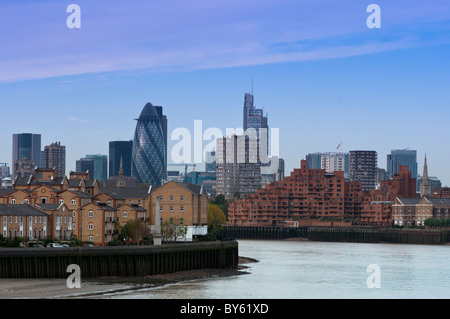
{"x": 74, "y": 214}
{"x": 90, "y": 238}
{"x": 73, "y": 202}
{"x": 182, "y": 198}
{"x": 43, "y": 200}
{"x": 73, "y": 226}
{"x": 91, "y": 214}
{"x": 13, "y": 201}
{"x": 61, "y": 201}
{"x": 171, "y": 198}
{"x": 26, "y": 201}
{"x": 181, "y": 209}
{"x": 171, "y": 209}
{"x": 125, "y": 214}
{"x": 91, "y": 227}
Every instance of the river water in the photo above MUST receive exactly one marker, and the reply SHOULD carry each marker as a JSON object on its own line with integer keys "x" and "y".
{"x": 305, "y": 269}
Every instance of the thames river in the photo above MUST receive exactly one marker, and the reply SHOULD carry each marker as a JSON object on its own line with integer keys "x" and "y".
{"x": 304, "y": 269}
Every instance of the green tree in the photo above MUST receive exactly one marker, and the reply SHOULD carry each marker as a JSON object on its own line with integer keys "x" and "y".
{"x": 216, "y": 219}
{"x": 220, "y": 201}
{"x": 134, "y": 231}
{"x": 173, "y": 231}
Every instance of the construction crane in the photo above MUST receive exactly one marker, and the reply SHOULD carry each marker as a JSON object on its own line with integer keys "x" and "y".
{"x": 185, "y": 167}
{"x": 338, "y": 146}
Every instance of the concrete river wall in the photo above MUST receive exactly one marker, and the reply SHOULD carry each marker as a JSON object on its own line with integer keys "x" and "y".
{"x": 117, "y": 261}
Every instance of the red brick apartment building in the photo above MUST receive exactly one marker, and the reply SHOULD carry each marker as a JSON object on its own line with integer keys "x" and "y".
{"x": 310, "y": 194}
{"x": 306, "y": 193}
{"x": 377, "y": 205}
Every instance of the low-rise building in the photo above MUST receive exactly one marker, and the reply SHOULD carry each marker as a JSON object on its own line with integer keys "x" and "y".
{"x": 181, "y": 203}
{"x": 24, "y": 220}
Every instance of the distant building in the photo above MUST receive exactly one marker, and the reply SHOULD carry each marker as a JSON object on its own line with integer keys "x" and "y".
{"x": 402, "y": 157}
{"x": 205, "y": 179}
{"x": 253, "y": 117}
{"x": 24, "y": 168}
{"x": 100, "y": 171}
{"x": 329, "y": 161}
{"x": 84, "y": 165}
{"x": 210, "y": 165}
{"x": 55, "y": 157}
{"x": 27, "y": 146}
{"x": 4, "y": 170}
{"x": 382, "y": 175}
{"x": 238, "y": 166}
{"x": 363, "y": 168}
{"x": 97, "y": 165}
{"x": 120, "y": 151}
{"x": 314, "y": 161}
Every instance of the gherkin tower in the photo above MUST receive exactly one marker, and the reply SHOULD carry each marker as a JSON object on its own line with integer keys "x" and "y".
{"x": 149, "y": 154}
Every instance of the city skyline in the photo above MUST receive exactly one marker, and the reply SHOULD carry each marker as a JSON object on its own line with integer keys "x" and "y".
{"x": 321, "y": 74}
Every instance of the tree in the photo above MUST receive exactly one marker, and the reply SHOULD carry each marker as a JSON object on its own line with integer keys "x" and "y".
{"x": 222, "y": 203}
{"x": 216, "y": 219}
{"x": 135, "y": 231}
{"x": 173, "y": 231}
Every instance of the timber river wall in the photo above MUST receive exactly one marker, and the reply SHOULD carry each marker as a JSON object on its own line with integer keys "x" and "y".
{"x": 340, "y": 234}
{"x": 123, "y": 261}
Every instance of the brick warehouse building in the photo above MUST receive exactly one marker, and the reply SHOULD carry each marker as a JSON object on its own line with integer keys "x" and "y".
{"x": 305, "y": 194}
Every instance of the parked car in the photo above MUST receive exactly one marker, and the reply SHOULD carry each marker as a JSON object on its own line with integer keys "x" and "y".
{"x": 37, "y": 245}
{"x": 65, "y": 245}
{"x": 55, "y": 245}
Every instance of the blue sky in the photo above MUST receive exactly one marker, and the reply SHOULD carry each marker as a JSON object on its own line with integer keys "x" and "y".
{"x": 322, "y": 75}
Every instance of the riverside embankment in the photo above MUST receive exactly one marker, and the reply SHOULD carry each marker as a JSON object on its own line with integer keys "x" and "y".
{"x": 126, "y": 261}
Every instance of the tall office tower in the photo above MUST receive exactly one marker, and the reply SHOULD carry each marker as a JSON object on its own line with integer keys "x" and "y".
{"x": 84, "y": 165}
{"x": 425, "y": 186}
{"x": 149, "y": 155}
{"x": 27, "y": 146}
{"x": 120, "y": 150}
{"x": 100, "y": 167}
{"x": 55, "y": 157}
{"x": 238, "y": 166}
{"x": 363, "y": 168}
{"x": 210, "y": 165}
{"x": 402, "y": 157}
{"x": 253, "y": 117}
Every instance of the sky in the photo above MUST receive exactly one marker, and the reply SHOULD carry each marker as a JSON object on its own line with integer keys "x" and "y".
{"x": 320, "y": 73}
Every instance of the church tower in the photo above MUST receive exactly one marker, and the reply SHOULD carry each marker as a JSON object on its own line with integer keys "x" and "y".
{"x": 425, "y": 186}
{"x": 121, "y": 180}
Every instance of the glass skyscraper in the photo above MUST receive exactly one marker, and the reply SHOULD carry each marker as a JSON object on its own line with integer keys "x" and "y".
{"x": 149, "y": 155}
{"x": 402, "y": 157}
{"x": 27, "y": 146}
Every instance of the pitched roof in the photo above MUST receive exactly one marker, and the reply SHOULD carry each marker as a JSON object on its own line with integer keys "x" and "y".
{"x": 409, "y": 201}
{"x": 21, "y": 210}
{"x": 125, "y": 192}
{"x": 47, "y": 206}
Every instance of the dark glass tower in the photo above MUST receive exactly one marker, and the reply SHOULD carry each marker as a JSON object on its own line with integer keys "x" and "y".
{"x": 149, "y": 155}
{"x": 120, "y": 150}
{"x": 27, "y": 145}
